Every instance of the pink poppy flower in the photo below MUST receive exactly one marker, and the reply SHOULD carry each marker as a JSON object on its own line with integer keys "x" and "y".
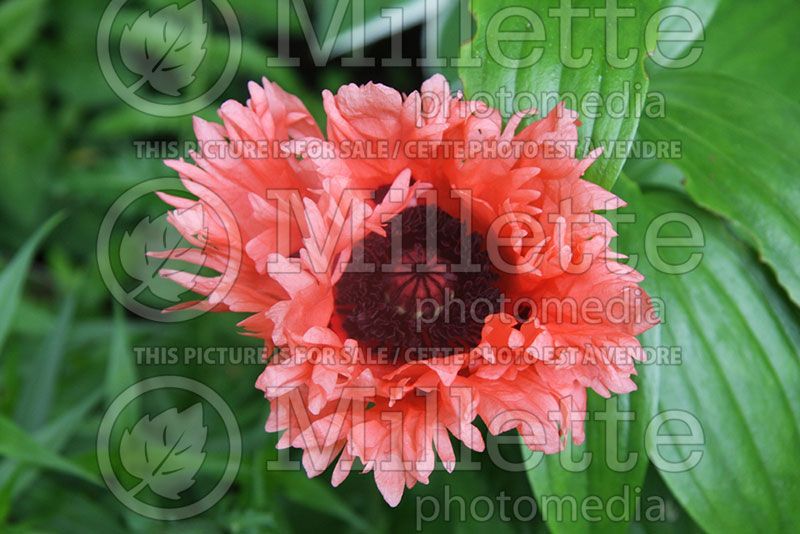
{"x": 420, "y": 267}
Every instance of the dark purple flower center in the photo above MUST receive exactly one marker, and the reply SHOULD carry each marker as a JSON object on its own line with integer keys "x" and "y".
{"x": 423, "y": 290}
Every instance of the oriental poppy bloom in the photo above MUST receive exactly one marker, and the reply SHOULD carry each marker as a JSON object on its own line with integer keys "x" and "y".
{"x": 419, "y": 267}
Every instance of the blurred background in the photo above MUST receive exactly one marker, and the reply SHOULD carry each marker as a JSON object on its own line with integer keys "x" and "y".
{"x": 69, "y": 348}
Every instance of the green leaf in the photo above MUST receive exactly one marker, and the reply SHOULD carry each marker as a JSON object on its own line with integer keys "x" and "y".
{"x": 14, "y": 478}
{"x": 738, "y": 379}
{"x": 13, "y": 276}
{"x": 36, "y": 399}
{"x": 606, "y": 469}
{"x": 535, "y": 67}
{"x": 737, "y": 162}
{"x": 18, "y": 445}
{"x": 660, "y": 512}
{"x": 121, "y": 370}
{"x": 752, "y": 41}
{"x": 675, "y": 47}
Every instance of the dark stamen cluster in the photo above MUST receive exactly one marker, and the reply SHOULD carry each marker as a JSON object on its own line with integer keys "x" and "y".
{"x": 424, "y": 299}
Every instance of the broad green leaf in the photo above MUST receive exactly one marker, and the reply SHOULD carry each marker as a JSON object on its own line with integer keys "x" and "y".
{"x": 738, "y": 160}
{"x": 18, "y": 445}
{"x": 753, "y": 41}
{"x": 659, "y": 512}
{"x": 36, "y": 399}
{"x": 737, "y": 385}
{"x": 532, "y": 62}
{"x": 655, "y": 173}
{"x": 607, "y": 468}
{"x": 683, "y": 25}
{"x": 14, "y": 274}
